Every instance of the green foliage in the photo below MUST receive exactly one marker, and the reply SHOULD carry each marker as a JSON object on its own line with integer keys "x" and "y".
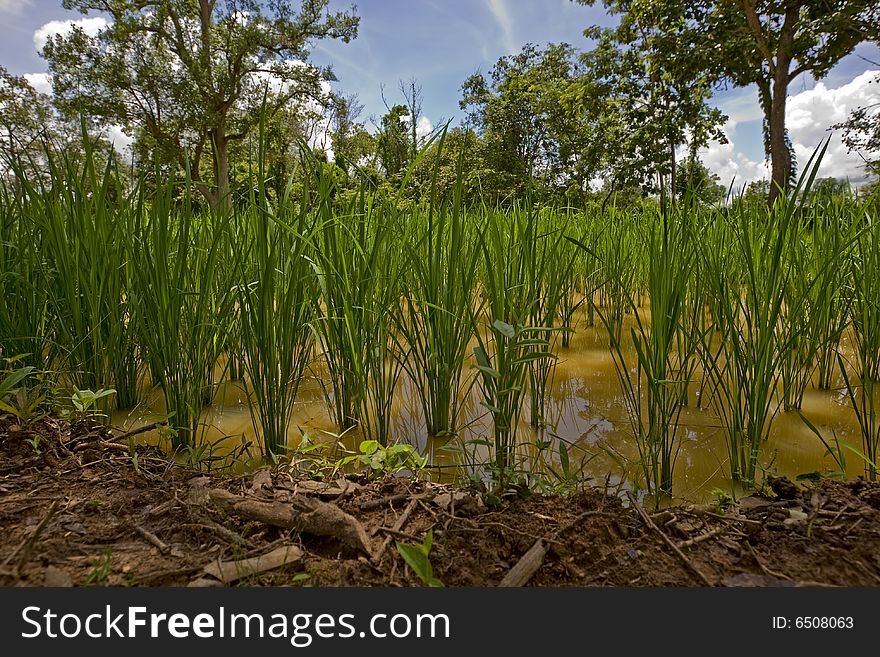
{"x": 85, "y": 403}
{"x": 655, "y": 92}
{"x": 100, "y": 569}
{"x": 768, "y": 43}
{"x": 382, "y": 460}
{"x": 24, "y": 399}
{"x": 183, "y": 94}
{"x": 537, "y": 123}
{"x": 417, "y": 558}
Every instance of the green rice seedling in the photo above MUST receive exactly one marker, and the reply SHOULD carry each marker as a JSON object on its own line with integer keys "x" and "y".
{"x": 744, "y": 366}
{"x": 814, "y": 310}
{"x": 186, "y": 298}
{"x": 865, "y": 281}
{"x": 797, "y": 324}
{"x": 353, "y": 251}
{"x": 508, "y": 345}
{"x": 666, "y": 345}
{"x": 617, "y": 255}
{"x": 833, "y": 237}
{"x": 441, "y": 261}
{"x": 82, "y": 216}
{"x": 276, "y": 305}
{"x": 25, "y": 317}
{"x": 549, "y": 256}
{"x": 572, "y": 285}
{"x": 386, "y": 354}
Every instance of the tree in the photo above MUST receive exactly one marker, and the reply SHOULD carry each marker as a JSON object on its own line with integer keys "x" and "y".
{"x": 26, "y": 117}
{"x": 393, "y": 142}
{"x": 698, "y": 183}
{"x": 768, "y": 43}
{"x": 353, "y": 145}
{"x": 193, "y": 74}
{"x": 654, "y": 98}
{"x": 536, "y": 119}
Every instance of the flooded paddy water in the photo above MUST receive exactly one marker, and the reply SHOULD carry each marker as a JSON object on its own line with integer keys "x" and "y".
{"x": 585, "y": 409}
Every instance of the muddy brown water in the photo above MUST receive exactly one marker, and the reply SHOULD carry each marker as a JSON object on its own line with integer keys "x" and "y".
{"x": 585, "y": 408}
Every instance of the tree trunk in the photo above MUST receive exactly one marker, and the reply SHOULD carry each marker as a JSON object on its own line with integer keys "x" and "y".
{"x": 220, "y": 145}
{"x": 780, "y": 156}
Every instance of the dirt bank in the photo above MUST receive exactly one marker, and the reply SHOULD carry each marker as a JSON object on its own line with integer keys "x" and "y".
{"x": 76, "y": 508}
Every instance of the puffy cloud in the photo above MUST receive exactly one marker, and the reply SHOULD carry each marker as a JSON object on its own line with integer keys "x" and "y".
{"x": 424, "y": 127}
{"x": 811, "y": 113}
{"x": 90, "y": 26}
{"x": 731, "y": 165}
{"x": 13, "y": 6}
{"x": 41, "y": 82}
{"x": 120, "y": 141}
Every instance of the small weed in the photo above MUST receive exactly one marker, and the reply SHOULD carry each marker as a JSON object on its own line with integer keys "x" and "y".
{"x": 100, "y": 569}
{"x": 417, "y": 558}
{"x": 723, "y": 500}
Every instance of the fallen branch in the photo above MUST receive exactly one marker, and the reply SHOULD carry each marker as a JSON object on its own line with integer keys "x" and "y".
{"x": 401, "y": 521}
{"x": 701, "y": 537}
{"x": 232, "y": 571}
{"x": 27, "y": 544}
{"x": 217, "y": 528}
{"x": 371, "y": 505}
{"x": 301, "y": 513}
{"x": 527, "y": 566}
{"x": 140, "y": 430}
{"x": 151, "y": 538}
{"x": 681, "y": 555}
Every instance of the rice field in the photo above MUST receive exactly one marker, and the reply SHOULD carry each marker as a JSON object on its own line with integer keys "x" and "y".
{"x": 512, "y": 346}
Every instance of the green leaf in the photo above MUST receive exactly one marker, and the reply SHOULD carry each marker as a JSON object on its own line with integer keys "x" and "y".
{"x": 504, "y": 329}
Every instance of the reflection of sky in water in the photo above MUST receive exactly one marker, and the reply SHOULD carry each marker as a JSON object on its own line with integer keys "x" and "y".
{"x": 585, "y": 408}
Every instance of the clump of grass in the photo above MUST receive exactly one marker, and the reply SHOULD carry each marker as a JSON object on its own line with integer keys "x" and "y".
{"x": 508, "y": 345}
{"x": 26, "y": 320}
{"x": 655, "y": 384}
{"x": 276, "y": 308}
{"x": 865, "y": 279}
{"x": 437, "y": 308}
{"x": 744, "y": 366}
{"x": 186, "y": 299}
{"x": 81, "y": 215}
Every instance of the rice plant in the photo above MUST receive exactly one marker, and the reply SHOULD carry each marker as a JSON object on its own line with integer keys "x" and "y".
{"x": 863, "y": 391}
{"x": 80, "y": 214}
{"x": 744, "y": 366}
{"x": 352, "y": 254}
{"x": 666, "y": 344}
{"x": 186, "y": 298}
{"x": 436, "y": 324}
{"x": 276, "y": 308}
{"x": 26, "y": 320}
{"x": 506, "y": 345}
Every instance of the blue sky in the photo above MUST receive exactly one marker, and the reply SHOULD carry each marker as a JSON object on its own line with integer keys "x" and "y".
{"x": 441, "y": 42}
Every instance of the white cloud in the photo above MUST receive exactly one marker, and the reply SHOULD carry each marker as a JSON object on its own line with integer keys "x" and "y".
{"x": 502, "y": 16}
{"x": 424, "y": 127}
{"x": 731, "y": 165}
{"x": 120, "y": 141}
{"x": 811, "y": 113}
{"x": 13, "y": 6}
{"x": 41, "y": 82}
{"x": 90, "y": 26}
{"x": 809, "y": 116}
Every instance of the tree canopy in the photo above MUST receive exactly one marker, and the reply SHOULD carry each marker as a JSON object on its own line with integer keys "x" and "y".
{"x": 191, "y": 76}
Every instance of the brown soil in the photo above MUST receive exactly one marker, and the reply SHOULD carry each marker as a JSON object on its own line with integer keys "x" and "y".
{"x": 77, "y": 511}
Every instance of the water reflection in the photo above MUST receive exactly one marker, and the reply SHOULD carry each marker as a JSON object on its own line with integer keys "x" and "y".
{"x": 585, "y": 408}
